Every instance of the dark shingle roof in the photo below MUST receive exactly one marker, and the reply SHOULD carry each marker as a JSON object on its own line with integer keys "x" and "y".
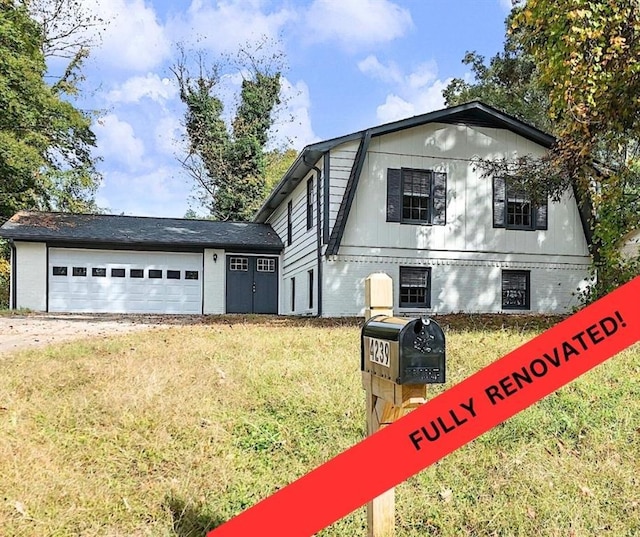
{"x": 134, "y": 231}
{"x": 473, "y": 113}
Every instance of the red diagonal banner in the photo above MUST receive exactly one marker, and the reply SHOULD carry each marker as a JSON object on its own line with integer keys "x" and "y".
{"x": 448, "y": 421}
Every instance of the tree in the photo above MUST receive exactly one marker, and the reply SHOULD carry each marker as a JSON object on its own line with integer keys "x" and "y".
{"x": 277, "y": 164}
{"x": 588, "y": 55}
{"x": 45, "y": 142}
{"x": 68, "y": 28}
{"x": 509, "y": 82}
{"x": 228, "y": 164}
{"x": 568, "y": 67}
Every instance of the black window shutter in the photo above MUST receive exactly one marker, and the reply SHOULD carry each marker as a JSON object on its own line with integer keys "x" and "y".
{"x": 499, "y": 195}
{"x": 541, "y": 216}
{"x": 394, "y": 195}
{"x": 439, "y": 199}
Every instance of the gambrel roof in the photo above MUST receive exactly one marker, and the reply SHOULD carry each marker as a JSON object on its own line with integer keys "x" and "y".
{"x": 139, "y": 232}
{"x": 474, "y": 113}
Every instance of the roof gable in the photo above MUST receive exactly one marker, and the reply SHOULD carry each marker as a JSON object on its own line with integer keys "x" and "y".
{"x": 136, "y": 231}
{"x": 474, "y": 113}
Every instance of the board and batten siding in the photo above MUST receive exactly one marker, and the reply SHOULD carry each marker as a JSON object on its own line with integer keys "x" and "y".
{"x": 31, "y": 275}
{"x": 301, "y": 256}
{"x": 467, "y": 254}
{"x": 469, "y": 218}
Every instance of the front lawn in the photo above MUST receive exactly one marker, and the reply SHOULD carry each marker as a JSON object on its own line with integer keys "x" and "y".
{"x": 169, "y": 432}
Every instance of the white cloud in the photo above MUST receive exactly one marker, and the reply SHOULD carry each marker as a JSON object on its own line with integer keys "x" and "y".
{"x": 162, "y": 192}
{"x": 117, "y": 142}
{"x": 225, "y": 26}
{"x": 292, "y": 123}
{"x": 169, "y": 133}
{"x": 424, "y": 75}
{"x": 414, "y": 93}
{"x": 427, "y": 100}
{"x": 133, "y": 39}
{"x": 150, "y": 86}
{"x": 355, "y": 23}
{"x": 394, "y": 108}
{"x": 389, "y": 73}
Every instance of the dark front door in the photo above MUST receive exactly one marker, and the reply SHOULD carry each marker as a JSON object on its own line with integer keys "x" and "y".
{"x": 252, "y": 284}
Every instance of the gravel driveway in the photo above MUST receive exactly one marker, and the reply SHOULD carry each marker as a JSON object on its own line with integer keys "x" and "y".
{"x": 22, "y": 331}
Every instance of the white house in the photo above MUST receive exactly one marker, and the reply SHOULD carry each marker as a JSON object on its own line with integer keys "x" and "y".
{"x": 402, "y": 198}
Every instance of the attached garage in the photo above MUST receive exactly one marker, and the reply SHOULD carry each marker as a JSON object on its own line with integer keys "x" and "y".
{"x": 124, "y": 281}
{"x": 119, "y": 264}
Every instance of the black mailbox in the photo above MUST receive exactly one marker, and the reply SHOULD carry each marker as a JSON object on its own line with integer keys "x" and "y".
{"x": 405, "y": 351}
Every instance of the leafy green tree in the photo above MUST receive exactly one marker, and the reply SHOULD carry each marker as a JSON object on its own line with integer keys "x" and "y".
{"x": 588, "y": 55}
{"x": 508, "y": 82}
{"x": 570, "y": 67}
{"x": 277, "y": 163}
{"x": 228, "y": 163}
{"x": 45, "y": 142}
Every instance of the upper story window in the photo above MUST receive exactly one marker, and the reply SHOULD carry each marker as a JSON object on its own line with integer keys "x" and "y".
{"x": 513, "y": 208}
{"x": 416, "y": 196}
{"x": 310, "y": 203}
{"x": 416, "y": 191}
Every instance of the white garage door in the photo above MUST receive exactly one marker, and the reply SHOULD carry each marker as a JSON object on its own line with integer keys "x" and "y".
{"x": 108, "y": 281}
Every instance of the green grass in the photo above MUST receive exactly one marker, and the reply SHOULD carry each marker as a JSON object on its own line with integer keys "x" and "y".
{"x": 170, "y": 432}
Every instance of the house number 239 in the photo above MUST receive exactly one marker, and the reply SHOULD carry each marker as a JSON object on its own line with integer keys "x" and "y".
{"x": 379, "y": 351}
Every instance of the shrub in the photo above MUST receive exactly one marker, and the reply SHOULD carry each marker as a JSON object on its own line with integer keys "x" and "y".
{"x": 5, "y": 282}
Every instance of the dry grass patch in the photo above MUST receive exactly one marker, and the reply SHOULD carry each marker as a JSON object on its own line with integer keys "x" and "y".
{"x": 170, "y": 432}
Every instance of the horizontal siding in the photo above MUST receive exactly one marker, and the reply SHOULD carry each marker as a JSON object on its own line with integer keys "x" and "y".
{"x": 341, "y": 163}
{"x": 301, "y": 256}
{"x": 301, "y": 274}
{"x": 472, "y": 286}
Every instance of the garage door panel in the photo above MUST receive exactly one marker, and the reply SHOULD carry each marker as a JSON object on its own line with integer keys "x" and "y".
{"x": 109, "y": 286}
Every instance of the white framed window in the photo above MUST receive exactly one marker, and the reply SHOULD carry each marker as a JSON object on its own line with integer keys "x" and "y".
{"x": 239, "y": 264}
{"x": 266, "y": 264}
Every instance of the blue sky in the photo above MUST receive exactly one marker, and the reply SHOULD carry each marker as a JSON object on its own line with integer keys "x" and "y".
{"x": 352, "y": 64}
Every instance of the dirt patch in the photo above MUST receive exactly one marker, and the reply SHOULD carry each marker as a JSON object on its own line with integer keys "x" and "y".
{"x": 23, "y": 331}
{"x": 40, "y": 329}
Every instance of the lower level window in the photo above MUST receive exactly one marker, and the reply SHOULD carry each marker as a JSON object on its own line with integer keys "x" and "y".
{"x": 516, "y": 289}
{"x": 190, "y": 274}
{"x": 415, "y": 287}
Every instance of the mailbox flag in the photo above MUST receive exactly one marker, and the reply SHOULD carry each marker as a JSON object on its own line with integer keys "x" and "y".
{"x": 424, "y": 436}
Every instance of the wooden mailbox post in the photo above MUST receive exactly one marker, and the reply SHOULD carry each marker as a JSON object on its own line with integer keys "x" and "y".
{"x": 399, "y": 357}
